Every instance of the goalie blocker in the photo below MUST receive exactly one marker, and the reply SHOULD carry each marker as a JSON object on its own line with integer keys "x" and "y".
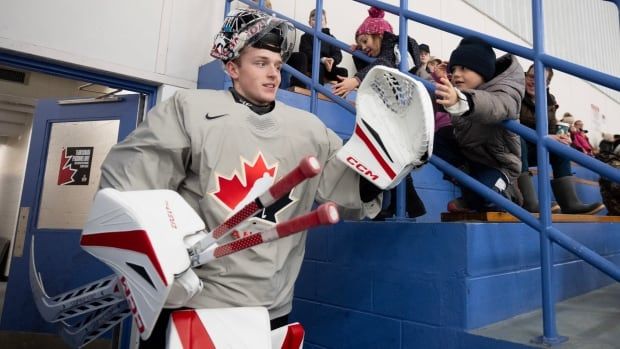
{"x": 394, "y": 128}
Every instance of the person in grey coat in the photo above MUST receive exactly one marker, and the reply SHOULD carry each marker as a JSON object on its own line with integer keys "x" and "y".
{"x": 483, "y": 91}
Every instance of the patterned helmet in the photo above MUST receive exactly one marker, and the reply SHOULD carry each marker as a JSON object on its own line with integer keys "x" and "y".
{"x": 250, "y": 27}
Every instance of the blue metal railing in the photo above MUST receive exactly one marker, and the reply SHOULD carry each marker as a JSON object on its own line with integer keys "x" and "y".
{"x": 544, "y": 143}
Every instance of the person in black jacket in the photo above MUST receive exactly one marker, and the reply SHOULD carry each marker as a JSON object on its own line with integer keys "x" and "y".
{"x": 330, "y": 55}
{"x": 376, "y": 38}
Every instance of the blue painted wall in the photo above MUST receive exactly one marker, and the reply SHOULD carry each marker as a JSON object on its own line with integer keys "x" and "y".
{"x": 402, "y": 284}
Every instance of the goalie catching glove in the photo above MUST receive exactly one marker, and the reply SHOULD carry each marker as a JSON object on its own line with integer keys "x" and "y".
{"x": 394, "y": 128}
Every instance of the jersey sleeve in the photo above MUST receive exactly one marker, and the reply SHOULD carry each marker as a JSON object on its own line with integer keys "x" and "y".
{"x": 340, "y": 184}
{"x": 154, "y": 156}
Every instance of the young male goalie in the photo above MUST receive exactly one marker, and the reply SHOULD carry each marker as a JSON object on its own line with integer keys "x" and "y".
{"x": 219, "y": 149}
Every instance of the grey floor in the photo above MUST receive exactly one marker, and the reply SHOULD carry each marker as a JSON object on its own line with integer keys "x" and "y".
{"x": 23, "y": 340}
{"x": 589, "y": 321}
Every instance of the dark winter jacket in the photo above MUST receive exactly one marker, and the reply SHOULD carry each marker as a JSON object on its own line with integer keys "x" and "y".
{"x": 528, "y": 112}
{"x": 387, "y": 57}
{"x": 327, "y": 50}
{"x": 480, "y": 132}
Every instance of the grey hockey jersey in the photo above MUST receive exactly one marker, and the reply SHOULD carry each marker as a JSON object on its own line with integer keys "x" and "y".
{"x": 219, "y": 154}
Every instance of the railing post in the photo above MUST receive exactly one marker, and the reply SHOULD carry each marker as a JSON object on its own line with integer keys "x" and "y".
{"x": 402, "y": 45}
{"x": 550, "y": 336}
{"x": 226, "y": 7}
{"x": 316, "y": 55}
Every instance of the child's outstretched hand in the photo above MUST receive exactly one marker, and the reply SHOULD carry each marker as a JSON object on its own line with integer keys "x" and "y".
{"x": 345, "y": 85}
{"x": 446, "y": 93}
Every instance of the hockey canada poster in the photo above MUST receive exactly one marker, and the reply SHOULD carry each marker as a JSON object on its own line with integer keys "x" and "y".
{"x": 75, "y": 164}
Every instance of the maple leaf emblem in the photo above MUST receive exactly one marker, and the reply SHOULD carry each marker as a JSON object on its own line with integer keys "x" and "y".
{"x": 66, "y": 172}
{"x": 240, "y": 189}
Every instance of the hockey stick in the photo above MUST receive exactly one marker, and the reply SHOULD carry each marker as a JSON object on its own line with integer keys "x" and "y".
{"x": 325, "y": 214}
{"x": 308, "y": 167}
{"x": 79, "y": 301}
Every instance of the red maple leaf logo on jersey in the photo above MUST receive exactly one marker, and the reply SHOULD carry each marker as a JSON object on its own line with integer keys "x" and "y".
{"x": 240, "y": 188}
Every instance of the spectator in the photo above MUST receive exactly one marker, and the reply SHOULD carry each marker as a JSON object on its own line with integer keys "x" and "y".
{"x": 432, "y": 64}
{"x": 608, "y": 142}
{"x": 483, "y": 91}
{"x": 376, "y": 38}
{"x": 568, "y": 118}
{"x": 443, "y": 124}
{"x": 423, "y": 70}
{"x": 580, "y": 139}
{"x": 610, "y": 190}
{"x": 330, "y": 55}
{"x": 562, "y": 185}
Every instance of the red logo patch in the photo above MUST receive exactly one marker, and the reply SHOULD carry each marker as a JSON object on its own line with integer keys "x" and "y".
{"x": 235, "y": 189}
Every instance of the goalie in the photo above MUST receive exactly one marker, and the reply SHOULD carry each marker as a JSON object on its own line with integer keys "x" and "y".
{"x": 219, "y": 149}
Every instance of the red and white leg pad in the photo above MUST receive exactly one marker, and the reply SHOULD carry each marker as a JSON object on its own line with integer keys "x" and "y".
{"x": 245, "y": 327}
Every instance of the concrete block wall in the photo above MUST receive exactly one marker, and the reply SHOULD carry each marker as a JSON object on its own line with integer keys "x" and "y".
{"x": 402, "y": 285}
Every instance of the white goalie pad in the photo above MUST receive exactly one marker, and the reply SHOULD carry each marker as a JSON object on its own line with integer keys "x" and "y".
{"x": 394, "y": 128}
{"x": 139, "y": 234}
{"x": 243, "y": 327}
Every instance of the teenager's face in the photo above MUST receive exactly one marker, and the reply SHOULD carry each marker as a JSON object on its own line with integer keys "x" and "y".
{"x": 370, "y": 44}
{"x": 323, "y": 21}
{"x": 256, "y": 74}
{"x": 424, "y": 57}
{"x": 463, "y": 77}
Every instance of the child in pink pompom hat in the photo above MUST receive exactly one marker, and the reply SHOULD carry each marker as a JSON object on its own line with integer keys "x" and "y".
{"x": 376, "y": 38}
{"x": 374, "y": 23}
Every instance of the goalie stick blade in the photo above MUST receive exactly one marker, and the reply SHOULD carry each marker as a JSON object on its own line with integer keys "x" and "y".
{"x": 79, "y": 301}
{"x": 94, "y": 326}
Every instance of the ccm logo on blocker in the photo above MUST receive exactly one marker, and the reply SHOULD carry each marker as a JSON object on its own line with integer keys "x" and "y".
{"x": 361, "y": 168}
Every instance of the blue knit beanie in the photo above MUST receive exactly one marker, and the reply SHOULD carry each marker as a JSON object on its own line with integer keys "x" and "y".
{"x": 475, "y": 54}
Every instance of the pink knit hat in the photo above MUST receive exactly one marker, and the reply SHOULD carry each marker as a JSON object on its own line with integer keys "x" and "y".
{"x": 374, "y": 23}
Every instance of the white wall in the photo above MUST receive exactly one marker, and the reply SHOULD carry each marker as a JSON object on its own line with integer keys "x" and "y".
{"x": 165, "y": 41}
{"x": 161, "y": 41}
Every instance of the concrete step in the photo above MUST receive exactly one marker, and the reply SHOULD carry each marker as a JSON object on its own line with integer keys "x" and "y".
{"x": 590, "y": 321}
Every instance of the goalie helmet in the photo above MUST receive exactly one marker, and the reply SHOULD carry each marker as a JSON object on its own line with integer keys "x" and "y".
{"x": 250, "y": 27}
{"x": 394, "y": 127}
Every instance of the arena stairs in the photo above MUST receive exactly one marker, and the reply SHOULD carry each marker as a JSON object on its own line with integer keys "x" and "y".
{"x": 425, "y": 283}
